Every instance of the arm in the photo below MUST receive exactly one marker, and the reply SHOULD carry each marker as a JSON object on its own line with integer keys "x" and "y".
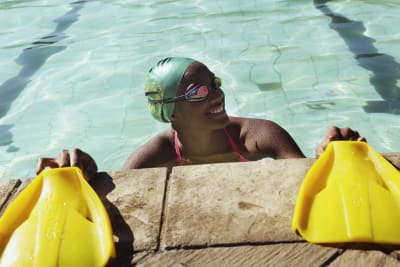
{"x": 276, "y": 142}
{"x": 271, "y": 140}
{"x": 157, "y": 152}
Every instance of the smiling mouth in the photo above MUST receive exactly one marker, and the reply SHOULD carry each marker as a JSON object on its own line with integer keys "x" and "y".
{"x": 217, "y": 110}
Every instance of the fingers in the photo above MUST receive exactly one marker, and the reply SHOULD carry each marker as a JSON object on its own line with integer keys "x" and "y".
{"x": 318, "y": 151}
{"x": 362, "y": 139}
{"x": 335, "y": 133}
{"x": 90, "y": 172}
{"x": 84, "y": 161}
{"x": 332, "y": 134}
{"x": 349, "y": 134}
{"x": 64, "y": 158}
{"x": 46, "y": 162}
{"x": 73, "y": 157}
{"x": 352, "y": 135}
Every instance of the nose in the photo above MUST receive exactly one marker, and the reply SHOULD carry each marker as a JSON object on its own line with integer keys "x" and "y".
{"x": 217, "y": 95}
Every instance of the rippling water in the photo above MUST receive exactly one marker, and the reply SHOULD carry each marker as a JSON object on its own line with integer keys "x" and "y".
{"x": 72, "y": 74}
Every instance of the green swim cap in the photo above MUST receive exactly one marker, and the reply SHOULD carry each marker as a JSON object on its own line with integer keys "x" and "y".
{"x": 162, "y": 82}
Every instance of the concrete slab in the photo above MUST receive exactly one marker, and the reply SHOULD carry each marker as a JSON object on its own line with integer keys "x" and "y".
{"x": 7, "y": 191}
{"x": 393, "y": 157}
{"x": 134, "y": 201}
{"x": 364, "y": 258}
{"x": 289, "y": 254}
{"x": 20, "y": 186}
{"x": 232, "y": 203}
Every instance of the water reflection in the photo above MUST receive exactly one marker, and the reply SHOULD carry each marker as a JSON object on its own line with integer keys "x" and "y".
{"x": 385, "y": 71}
{"x": 32, "y": 59}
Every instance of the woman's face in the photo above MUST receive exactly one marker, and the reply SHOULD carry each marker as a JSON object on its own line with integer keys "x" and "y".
{"x": 209, "y": 113}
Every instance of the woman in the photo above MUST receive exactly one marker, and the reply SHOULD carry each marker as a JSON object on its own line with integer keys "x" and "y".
{"x": 187, "y": 94}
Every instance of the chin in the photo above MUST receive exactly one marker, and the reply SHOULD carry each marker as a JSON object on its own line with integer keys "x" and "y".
{"x": 218, "y": 122}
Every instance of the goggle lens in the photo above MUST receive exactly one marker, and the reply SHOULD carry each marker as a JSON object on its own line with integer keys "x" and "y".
{"x": 198, "y": 92}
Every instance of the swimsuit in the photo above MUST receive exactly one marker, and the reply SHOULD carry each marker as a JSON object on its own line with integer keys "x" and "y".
{"x": 235, "y": 148}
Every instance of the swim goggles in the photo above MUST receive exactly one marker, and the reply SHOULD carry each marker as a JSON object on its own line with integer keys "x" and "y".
{"x": 194, "y": 93}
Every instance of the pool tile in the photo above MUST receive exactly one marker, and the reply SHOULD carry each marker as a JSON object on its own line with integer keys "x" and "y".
{"x": 133, "y": 200}
{"x": 240, "y": 202}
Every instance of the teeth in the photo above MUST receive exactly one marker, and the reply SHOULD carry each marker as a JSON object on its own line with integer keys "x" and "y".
{"x": 217, "y": 110}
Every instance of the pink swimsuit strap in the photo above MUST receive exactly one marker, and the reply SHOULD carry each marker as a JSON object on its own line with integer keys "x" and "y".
{"x": 177, "y": 150}
{"x": 235, "y": 148}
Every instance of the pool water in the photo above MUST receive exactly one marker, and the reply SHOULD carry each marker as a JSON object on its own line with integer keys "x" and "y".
{"x": 72, "y": 74}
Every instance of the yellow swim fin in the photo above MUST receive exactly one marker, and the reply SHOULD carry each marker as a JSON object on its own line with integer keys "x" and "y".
{"x": 57, "y": 220}
{"x": 350, "y": 194}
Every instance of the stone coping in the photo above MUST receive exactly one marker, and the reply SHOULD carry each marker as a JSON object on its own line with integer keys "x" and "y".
{"x": 231, "y": 214}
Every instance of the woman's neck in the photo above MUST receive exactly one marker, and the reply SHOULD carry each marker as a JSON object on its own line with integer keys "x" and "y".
{"x": 196, "y": 142}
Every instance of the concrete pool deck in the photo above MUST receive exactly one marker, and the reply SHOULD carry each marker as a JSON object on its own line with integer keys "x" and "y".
{"x": 233, "y": 214}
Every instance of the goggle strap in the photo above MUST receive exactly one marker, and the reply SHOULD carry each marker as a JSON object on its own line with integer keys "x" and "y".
{"x": 152, "y": 93}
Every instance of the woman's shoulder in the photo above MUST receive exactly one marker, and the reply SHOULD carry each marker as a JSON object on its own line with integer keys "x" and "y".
{"x": 158, "y": 151}
{"x": 266, "y": 138}
{"x": 252, "y": 125}
{"x": 249, "y": 130}
{"x": 164, "y": 139}
{"x": 253, "y": 131}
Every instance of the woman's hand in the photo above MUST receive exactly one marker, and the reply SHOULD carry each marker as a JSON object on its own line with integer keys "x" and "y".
{"x": 335, "y": 133}
{"x": 72, "y": 157}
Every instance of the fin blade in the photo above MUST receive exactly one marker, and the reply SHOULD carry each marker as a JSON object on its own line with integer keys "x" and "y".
{"x": 350, "y": 194}
{"x": 66, "y": 225}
